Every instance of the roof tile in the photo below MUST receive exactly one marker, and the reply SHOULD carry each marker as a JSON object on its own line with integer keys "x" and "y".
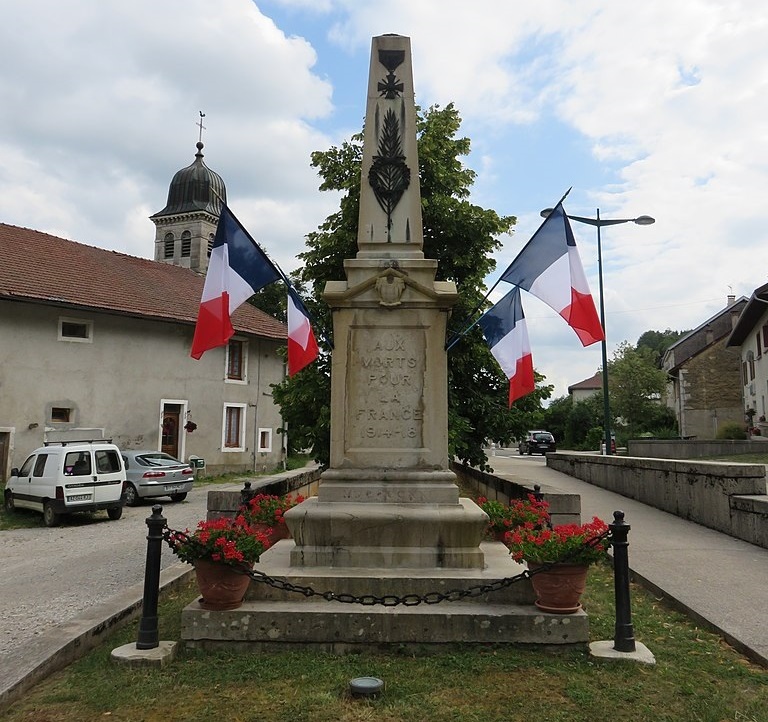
{"x": 41, "y": 268}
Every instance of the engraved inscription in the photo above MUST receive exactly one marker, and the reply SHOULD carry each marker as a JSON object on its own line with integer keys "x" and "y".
{"x": 385, "y": 406}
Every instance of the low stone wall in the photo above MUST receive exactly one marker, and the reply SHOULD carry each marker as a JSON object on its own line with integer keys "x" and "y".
{"x": 728, "y": 497}
{"x": 695, "y": 448}
{"x": 223, "y": 502}
{"x": 564, "y": 508}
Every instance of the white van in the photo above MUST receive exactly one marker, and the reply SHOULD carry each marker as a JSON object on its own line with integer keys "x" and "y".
{"x": 69, "y": 476}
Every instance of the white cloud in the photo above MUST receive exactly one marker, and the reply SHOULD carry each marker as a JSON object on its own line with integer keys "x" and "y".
{"x": 99, "y": 122}
{"x": 652, "y": 108}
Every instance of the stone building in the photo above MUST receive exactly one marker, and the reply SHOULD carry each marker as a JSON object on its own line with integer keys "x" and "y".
{"x": 704, "y": 375}
{"x": 96, "y": 344}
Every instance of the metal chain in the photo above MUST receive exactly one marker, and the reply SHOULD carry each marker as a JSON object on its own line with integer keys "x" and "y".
{"x": 392, "y": 600}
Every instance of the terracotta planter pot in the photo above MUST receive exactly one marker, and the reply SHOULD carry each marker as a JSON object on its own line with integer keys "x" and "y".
{"x": 221, "y": 587}
{"x": 559, "y": 589}
{"x": 275, "y": 532}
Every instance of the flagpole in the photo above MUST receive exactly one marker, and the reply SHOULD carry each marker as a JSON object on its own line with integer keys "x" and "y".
{"x": 279, "y": 270}
{"x": 457, "y": 337}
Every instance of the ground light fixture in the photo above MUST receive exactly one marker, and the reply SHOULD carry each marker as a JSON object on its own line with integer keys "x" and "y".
{"x": 599, "y": 223}
{"x": 365, "y": 686}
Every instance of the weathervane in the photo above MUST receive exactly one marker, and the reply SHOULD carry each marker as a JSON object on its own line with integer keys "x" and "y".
{"x": 202, "y": 127}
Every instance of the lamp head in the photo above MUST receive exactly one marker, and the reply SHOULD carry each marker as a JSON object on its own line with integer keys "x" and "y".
{"x": 545, "y": 213}
{"x": 645, "y": 221}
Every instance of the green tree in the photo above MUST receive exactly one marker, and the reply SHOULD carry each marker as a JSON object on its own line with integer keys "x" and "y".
{"x": 555, "y": 420}
{"x": 587, "y": 416}
{"x": 463, "y": 237}
{"x": 636, "y": 386}
{"x": 658, "y": 342}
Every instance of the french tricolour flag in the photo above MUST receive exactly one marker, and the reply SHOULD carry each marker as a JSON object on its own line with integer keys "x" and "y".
{"x": 549, "y": 267}
{"x": 237, "y": 269}
{"x": 302, "y": 345}
{"x": 506, "y": 333}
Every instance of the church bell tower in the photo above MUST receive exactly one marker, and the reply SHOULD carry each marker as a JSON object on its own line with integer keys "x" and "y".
{"x": 187, "y": 225}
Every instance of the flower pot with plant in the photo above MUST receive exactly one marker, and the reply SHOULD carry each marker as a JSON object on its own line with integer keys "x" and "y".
{"x": 265, "y": 512}
{"x": 520, "y": 513}
{"x": 222, "y": 551}
{"x": 559, "y": 559}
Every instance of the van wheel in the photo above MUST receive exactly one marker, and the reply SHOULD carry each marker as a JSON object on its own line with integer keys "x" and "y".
{"x": 9, "y": 506}
{"x": 115, "y": 512}
{"x": 179, "y": 497}
{"x": 131, "y": 495}
{"x": 50, "y": 517}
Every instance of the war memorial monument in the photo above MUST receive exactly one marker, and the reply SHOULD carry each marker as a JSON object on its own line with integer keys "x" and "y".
{"x": 387, "y": 532}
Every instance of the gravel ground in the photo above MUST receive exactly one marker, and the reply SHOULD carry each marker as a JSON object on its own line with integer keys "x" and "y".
{"x": 50, "y": 576}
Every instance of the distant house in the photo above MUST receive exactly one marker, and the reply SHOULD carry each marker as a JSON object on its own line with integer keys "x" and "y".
{"x": 704, "y": 375}
{"x": 95, "y": 343}
{"x": 749, "y": 339}
{"x": 588, "y": 387}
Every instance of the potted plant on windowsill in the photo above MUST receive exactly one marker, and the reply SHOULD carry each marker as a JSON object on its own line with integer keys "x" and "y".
{"x": 559, "y": 559}
{"x": 265, "y": 512}
{"x": 222, "y": 551}
{"x": 502, "y": 518}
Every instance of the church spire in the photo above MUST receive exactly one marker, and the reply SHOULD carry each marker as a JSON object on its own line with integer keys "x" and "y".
{"x": 187, "y": 224}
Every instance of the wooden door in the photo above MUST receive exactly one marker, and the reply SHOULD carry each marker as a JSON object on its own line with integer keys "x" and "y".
{"x": 170, "y": 433}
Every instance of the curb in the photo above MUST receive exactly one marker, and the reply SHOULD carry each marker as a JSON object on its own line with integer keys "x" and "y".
{"x": 67, "y": 642}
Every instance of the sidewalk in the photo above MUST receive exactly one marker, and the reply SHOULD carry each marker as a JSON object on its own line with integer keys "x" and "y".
{"x": 718, "y": 580}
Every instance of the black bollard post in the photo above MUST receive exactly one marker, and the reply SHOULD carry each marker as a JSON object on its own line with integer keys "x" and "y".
{"x": 246, "y": 494}
{"x": 624, "y": 635}
{"x": 148, "y": 633}
{"x": 538, "y": 494}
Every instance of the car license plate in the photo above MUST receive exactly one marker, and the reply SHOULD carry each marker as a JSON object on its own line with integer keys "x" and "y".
{"x": 79, "y": 497}
{"x": 172, "y": 487}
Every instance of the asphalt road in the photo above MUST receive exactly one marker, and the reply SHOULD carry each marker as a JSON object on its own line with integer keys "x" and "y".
{"x": 50, "y": 576}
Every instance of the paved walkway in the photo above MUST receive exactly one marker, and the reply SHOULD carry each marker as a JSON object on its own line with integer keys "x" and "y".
{"x": 715, "y": 578}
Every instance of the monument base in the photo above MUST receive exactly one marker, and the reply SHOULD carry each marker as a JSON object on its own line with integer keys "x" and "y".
{"x": 272, "y": 618}
{"x": 387, "y": 535}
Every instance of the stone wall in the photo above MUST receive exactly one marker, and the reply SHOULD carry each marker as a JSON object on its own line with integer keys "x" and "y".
{"x": 694, "y": 448}
{"x": 729, "y": 497}
{"x": 564, "y": 508}
{"x": 225, "y": 502}
{"x": 712, "y": 391}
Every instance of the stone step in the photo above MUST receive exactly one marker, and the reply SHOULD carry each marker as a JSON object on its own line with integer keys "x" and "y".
{"x": 272, "y": 618}
{"x": 359, "y": 581}
{"x": 330, "y": 626}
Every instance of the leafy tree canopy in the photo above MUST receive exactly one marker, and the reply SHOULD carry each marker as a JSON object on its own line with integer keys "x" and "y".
{"x": 462, "y": 236}
{"x": 658, "y": 342}
{"x": 636, "y": 385}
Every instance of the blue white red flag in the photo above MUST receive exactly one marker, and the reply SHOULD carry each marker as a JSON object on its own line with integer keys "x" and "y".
{"x": 549, "y": 267}
{"x": 237, "y": 269}
{"x": 505, "y": 331}
{"x": 302, "y": 344}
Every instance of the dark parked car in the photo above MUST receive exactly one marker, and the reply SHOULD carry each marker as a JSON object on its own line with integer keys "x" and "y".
{"x": 155, "y": 473}
{"x": 537, "y": 442}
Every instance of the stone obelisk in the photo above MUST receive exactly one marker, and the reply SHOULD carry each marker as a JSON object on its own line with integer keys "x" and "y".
{"x": 387, "y": 523}
{"x": 389, "y": 498}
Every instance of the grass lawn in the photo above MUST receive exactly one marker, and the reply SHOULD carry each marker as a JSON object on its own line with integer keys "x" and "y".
{"x": 697, "y": 677}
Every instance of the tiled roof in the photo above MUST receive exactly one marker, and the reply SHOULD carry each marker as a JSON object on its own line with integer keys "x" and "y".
{"x": 750, "y": 316}
{"x": 590, "y": 384}
{"x": 39, "y": 268}
{"x": 703, "y": 336}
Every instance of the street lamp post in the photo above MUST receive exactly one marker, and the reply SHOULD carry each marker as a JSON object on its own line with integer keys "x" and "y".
{"x": 599, "y": 223}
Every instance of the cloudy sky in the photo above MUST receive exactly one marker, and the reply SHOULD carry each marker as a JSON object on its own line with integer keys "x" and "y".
{"x": 657, "y": 108}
